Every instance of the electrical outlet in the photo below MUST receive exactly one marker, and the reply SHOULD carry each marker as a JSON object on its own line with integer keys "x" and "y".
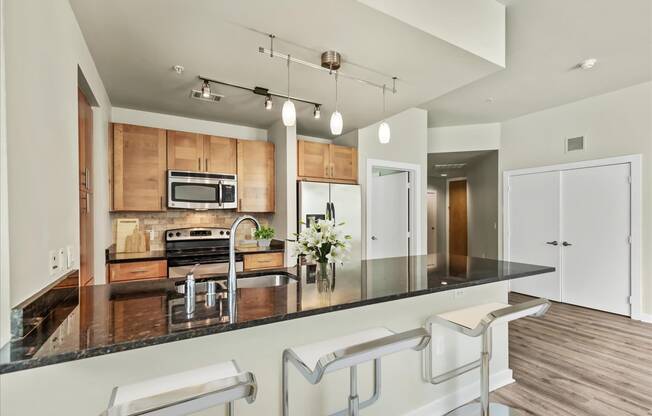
{"x": 53, "y": 261}
{"x": 70, "y": 260}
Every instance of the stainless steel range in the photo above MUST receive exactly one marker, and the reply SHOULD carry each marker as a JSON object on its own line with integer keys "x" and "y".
{"x": 208, "y": 247}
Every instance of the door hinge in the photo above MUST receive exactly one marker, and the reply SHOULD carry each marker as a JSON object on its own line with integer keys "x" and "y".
{"x": 629, "y": 239}
{"x": 629, "y": 179}
{"x": 629, "y": 300}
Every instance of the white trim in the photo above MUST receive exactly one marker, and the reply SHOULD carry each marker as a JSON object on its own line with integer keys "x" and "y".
{"x": 5, "y": 279}
{"x": 635, "y": 162}
{"x": 415, "y": 185}
{"x": 646, "y": 317}
{"x": 448, "y": 210}
{"x": 462, "y": 395}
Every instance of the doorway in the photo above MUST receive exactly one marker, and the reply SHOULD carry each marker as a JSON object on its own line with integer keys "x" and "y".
{"x": 85, "y": 124}
{"x": 432, "y": 228}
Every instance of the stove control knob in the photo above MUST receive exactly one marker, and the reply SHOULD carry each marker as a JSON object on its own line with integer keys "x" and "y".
{"x": 178, "y": 234}
{"x": 222, "y": 232}
{"x": 170, "y": 235}
{"x": 228, "y": 232}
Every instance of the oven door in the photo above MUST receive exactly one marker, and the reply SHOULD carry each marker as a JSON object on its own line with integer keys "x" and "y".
{"x": 204, "y": 269}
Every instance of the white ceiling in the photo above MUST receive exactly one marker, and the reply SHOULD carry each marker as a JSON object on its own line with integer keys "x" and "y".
{"x": 545, "y": 40}
{"x": 136, "y": 43}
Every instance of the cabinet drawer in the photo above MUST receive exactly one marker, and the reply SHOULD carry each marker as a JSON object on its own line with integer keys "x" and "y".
{"x": 122, "y": 272}
{"x": 263, "y": 261}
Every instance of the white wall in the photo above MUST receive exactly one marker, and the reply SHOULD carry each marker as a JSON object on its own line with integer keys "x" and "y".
{"x": 409, "y": 144}
{"x": 613, "y": 124}
{"x": 482, "y": 183}
{"x": 44, "y": 47}
{"x": 5, "y": 300}
{"x": 284, "y": 219}
{"x": 193, "y": 125}
{"x": 475, "y": 25}
{"x": 464, "y": 138}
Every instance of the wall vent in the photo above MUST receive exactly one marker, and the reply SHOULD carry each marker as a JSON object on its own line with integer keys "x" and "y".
{"x": 215, "y": 98}
{"x": 574, "y": 144}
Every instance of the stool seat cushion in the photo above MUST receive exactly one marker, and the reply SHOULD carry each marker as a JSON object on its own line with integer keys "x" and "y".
{"x": 471, "y": 317}
{"x": 177, "y": 388}
{"x": 312, "y": 353}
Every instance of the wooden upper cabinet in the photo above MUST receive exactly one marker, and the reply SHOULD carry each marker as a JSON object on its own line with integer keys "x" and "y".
{"x": 328, "y": 162}
{"x": 139, "y": 168}
{"x": 344, "y": 163}
{"x": 256, "y": 179}
{"x": 313, "y": 159}
{"x": 185, "y": 151}
{"x": 220, "y": 154}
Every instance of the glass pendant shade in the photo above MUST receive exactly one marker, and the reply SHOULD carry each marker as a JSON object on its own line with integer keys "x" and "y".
{"x": 336, "y": 123}
{"x": 289, "y": 114}
{"x": 384, "y": 133}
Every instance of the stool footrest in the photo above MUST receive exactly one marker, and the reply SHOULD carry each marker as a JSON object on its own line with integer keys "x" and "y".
{"x": 475, "y": 409}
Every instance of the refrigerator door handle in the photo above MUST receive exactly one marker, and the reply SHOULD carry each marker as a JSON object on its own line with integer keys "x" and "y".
{"x": 333, "y": 211}
{"x": 328, "y": 211}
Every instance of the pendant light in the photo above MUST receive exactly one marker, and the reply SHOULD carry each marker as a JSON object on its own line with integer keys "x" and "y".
{"x": 289, "y": 114}
{"x": 384, "y": 133}
{"x": 336, "y": 118}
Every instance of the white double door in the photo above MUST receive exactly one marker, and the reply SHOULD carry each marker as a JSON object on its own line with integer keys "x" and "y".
{"x": 578, "y": 221}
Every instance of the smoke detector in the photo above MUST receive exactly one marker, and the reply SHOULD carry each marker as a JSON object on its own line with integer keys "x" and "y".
{"x": 588, "y": 63}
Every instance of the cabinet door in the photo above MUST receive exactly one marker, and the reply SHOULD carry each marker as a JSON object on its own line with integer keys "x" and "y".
{"x": 255, "y": 176}
{"x": 220, "y": 154}
{"x": 185, "y": 151}
{"x": 313, "y": 159}
{"x": 344, "y": 163}
{"x": 139, "y": 168}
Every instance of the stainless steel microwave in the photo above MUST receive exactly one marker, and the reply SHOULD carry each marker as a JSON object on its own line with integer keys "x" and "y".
{"x": 202, "y": 191}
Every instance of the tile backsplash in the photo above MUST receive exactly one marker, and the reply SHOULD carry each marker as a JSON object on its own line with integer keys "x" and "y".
{"x": 155, "y": 223}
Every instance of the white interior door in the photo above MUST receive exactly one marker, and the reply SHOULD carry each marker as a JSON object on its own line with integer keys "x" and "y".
{"x": 432, "y": 229}
{"x": 595, "y": 221}
{"x": 388, "y": 236}
{"x": 533, "y": 231}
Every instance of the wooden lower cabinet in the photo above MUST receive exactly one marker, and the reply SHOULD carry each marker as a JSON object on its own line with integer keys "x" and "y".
{"x": 256, "y": 176}
{"x": 138, "y": 270}
{"x": 261, "y": 261}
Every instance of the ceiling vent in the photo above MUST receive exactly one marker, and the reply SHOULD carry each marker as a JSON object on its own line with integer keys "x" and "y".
{"x": 574, "y": 144}
{"x": 197, "y": 95}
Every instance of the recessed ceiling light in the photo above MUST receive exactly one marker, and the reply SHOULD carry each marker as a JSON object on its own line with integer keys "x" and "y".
{"x": 444, "y": 174}
{"x": 179, "y": 69}
{"x": 588, "y": 63}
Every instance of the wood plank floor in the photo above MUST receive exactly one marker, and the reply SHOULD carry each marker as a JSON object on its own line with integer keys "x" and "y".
{"x": 579, "y": 362}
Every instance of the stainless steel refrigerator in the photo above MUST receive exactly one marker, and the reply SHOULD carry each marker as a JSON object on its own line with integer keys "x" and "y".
{"x": 342, "y": 202}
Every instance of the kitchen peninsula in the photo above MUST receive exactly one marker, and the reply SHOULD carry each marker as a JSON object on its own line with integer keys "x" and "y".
{"x": 115, "y": 322}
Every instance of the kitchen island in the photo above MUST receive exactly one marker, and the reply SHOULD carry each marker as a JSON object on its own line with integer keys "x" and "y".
{"x": 125, "y": 332}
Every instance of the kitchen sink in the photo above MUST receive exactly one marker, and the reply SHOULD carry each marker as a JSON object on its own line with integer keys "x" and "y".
{"x": 245, "y": 282}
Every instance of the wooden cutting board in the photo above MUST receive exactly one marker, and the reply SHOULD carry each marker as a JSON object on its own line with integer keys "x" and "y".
{"x": 136, "y": 242}
{"x": 125, "y": 227}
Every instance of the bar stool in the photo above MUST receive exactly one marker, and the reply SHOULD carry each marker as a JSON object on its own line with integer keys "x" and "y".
{"x": 479, "y": 321}
{"x": 315, "y": 360}
{"x": 184, "y": 393}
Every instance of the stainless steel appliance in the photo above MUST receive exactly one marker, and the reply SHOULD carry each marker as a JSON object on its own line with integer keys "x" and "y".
{"x": 208, "y": 247}
{"x": 202, "y": 191}
{"x": 318, "y": 200}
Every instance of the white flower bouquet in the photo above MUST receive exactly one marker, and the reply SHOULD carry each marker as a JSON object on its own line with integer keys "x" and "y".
{"x": 323, "y": 242}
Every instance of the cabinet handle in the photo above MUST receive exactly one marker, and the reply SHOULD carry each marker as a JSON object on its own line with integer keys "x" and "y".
{"x": 332, "y": 170}
{"x": 160, "y": 202}
{"x": 138, "y": 271}
{"x": 199, "y": 163}
{"x": 326, "y": 171}
{"x": 206, "y": 164}
{"x": 552, "y": 243}
{"x": 566, "y": 244}
{"x": 239, "y": 204}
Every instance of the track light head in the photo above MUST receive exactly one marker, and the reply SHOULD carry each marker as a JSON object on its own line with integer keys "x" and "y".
{"x": 316, "y": 113}
{"x": 206, "y": 90}
{"x": 268, "y": 102}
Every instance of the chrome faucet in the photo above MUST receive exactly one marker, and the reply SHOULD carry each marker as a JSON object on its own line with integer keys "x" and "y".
{"x": 232, "y": 282}
{"x": 189, "y": 290}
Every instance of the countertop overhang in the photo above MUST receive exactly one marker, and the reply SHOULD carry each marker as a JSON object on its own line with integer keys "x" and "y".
{"x": 123, "y": 316}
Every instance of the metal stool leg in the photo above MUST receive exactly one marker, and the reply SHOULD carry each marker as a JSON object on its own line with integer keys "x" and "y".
{"x": 354, "y": 400}
{"x": 484, "y": 372}
{"x": 230, "y": 409}
{"x": 284, "y": 388}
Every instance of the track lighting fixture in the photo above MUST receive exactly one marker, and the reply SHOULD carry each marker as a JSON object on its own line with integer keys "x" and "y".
{"x": 384, "y": 133}
{"x": 268, "y": 102}
{"x": 316, "y": 113}
{"x": 206, "y": 90}
{"x": 337, "y": 123}
{"x": 289, "y": 114}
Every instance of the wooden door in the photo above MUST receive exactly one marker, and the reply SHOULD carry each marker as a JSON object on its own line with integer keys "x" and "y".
{"x": 458, "y": 222}
{"x": 139, "y": 168}
{"x": 85, "y": 125}
{"x": 185, "y": 151}
{"x": 344, "y": 163}
{"x": 220, "y": 154}
{"x": 256, "y": 180}
{"x": 313, "y": 159}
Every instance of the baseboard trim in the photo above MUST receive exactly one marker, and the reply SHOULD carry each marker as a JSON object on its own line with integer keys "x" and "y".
{"x": 646, "y": 317}
{"x": 464, "y": 395}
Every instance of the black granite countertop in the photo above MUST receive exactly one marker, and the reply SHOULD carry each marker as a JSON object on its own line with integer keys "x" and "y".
{"x": 277, "y": 246}
{"x": 119, "y": 317}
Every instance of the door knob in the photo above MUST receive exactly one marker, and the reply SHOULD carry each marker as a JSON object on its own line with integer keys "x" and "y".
{"x": 566, "y": 244}
{"x": 373, "y": 237}
{"x": 552, "y": 243}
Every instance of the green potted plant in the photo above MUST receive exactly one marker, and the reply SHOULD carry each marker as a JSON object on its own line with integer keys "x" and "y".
{"x": 264, "y": 235}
